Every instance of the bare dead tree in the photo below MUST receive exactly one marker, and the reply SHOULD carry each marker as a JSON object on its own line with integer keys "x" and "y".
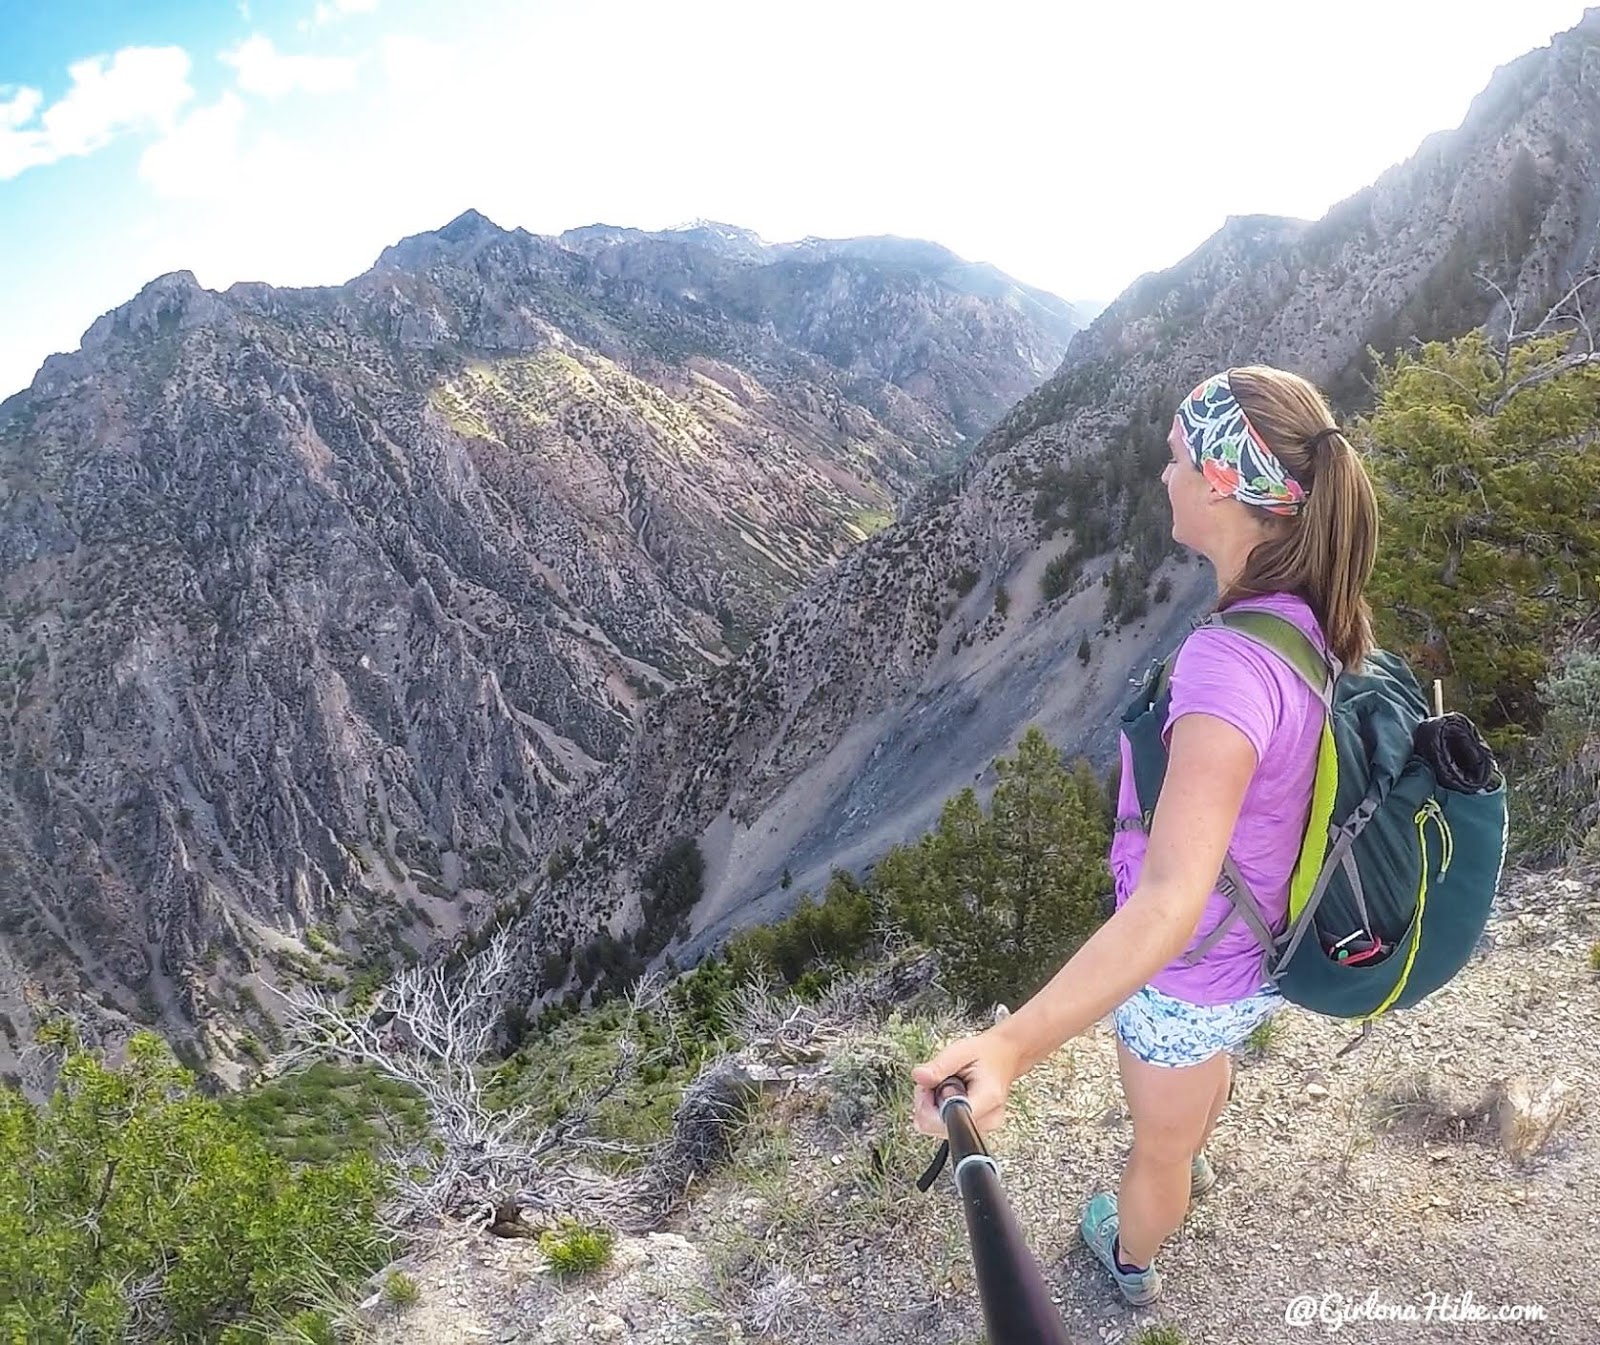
{"x": 432, "y": 1030}
{"x": 1566, "y": 317}
{"x": 483, "y": 1166}
{"x": 779, "y": 1025}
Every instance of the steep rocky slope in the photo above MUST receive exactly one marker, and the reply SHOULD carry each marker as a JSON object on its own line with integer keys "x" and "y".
{"x": 897, "y": 676}
{"x": 1435, "y": 1167}
{"x": 314, "y": 599}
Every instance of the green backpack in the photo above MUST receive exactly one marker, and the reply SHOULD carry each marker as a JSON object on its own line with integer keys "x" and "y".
{"x": 1398, "y": 869}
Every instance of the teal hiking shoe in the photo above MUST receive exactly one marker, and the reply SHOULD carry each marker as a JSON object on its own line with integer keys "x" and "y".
{"x": 1099, "y": 1230}
{"x": 1202, "y": 1176}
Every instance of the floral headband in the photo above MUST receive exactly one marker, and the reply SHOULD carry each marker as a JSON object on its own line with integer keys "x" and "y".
{"x": 1235, "y": 459}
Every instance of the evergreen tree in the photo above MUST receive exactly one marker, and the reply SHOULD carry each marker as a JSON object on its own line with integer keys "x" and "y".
{"x": 1006, "y": 897}
{"x": 128, "y": 1186}
{"x": 1489, "y": 497}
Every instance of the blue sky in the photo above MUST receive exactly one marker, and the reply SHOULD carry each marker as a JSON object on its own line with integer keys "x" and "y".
{"x": 1074, "y": 145}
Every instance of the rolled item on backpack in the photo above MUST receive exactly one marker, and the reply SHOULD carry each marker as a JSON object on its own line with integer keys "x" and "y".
{"x": 1453, "y": 747}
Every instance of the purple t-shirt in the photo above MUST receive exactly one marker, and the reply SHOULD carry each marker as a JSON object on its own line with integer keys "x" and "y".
{"x": 1220, "y": 672}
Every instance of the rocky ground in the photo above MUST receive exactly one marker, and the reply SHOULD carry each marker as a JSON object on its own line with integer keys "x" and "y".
{"x": 1452, "y": 1154}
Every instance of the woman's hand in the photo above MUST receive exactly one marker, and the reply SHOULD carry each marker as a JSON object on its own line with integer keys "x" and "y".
{"x": 987, "y": 1064}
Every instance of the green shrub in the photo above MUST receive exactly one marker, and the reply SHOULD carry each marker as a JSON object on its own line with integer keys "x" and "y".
{"x": 1263, "y": 1034}
{"x": 964, "y": 581}
{"x": 672, "y": 884}
{"x": 1127, "y": 598}
{"x": 701, "y": 1000}
{"x": 574, "y": 1249}
{"x": 577, "y": 1054}
{"x": 364, "y": 985}
{"x": 320, "y": 940}
{"x": 130, "y": 1175}
{"x": 1555, "y": 782}
{"x": 1491, "y": 542}
{"x": 823, "y": 936}
{"x": 400, "y": 1290}
{"x": 560, "y": 862}
{"x": 327, "y": 1110}
{"x": 1059, "y": 576}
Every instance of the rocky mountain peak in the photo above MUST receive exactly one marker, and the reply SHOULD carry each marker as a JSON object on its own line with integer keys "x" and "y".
{"x": 467, "y": 225}
{"x": 316, "y": 598}
{"x": 729, "y": 239}
{"x": 173, "y": 300}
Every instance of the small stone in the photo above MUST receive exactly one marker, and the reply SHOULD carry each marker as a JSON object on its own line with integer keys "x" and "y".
{"x": 1526, "y": 1121}
{"x": 1316, "y": 1090}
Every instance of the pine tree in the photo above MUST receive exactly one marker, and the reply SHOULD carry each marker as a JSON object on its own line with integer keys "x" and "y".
{"x": 1006, "y": 897}
{"x": 1489, "y": 500}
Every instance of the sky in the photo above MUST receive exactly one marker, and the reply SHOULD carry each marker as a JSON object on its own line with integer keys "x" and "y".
{"x": 1075, "y": 145}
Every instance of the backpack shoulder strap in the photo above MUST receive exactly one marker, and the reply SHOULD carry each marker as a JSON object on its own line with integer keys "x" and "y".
{"x": 1317, "y": 670}
{"x": 1320, "y": 672}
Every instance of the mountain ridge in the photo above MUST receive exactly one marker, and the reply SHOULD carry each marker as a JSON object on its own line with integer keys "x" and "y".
{"x": 313, "y": 598}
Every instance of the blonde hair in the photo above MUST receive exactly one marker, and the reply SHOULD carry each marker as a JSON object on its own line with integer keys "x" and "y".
{"x": 1325, "y": 552}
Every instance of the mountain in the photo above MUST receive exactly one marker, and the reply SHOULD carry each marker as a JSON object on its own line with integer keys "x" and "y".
{"x": 896, "y": 677}
{"x": 315, "y": 599}
{"x": 959, "y": 335}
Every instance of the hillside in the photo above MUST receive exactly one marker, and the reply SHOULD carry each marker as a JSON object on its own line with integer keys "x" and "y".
{"x": 314, "y": 600}
{"x": 1451, "y": 1154}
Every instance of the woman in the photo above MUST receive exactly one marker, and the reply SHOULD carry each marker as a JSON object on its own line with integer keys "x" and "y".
{"x": 1263, "y": 485}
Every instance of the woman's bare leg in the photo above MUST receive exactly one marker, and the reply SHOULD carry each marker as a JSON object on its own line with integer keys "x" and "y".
{"x": 1223, "y": 1087}
{"x": 1172, "y": 1109}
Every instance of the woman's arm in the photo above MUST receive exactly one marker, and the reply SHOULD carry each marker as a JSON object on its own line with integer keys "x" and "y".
{"x": 1209, "y": 766}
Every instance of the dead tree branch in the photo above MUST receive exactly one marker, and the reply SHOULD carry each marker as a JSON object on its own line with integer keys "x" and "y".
{"x": 432, "y": 1030}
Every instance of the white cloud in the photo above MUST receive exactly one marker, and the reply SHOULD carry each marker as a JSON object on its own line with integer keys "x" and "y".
{"x": 135, "y": 89}
{"x": 18, "y": 107}
{"x": 201, "y": 156}
{"x": 1084, "y": 170}
{"x": 329, "y": 10}
{"x": 263, "y": 69}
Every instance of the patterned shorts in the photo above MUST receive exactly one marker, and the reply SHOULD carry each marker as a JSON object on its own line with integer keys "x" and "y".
{"x": 1161, "y": 1030}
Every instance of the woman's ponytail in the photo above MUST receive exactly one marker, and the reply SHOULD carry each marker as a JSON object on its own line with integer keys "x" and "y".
{"x": 1326, "y": 552}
